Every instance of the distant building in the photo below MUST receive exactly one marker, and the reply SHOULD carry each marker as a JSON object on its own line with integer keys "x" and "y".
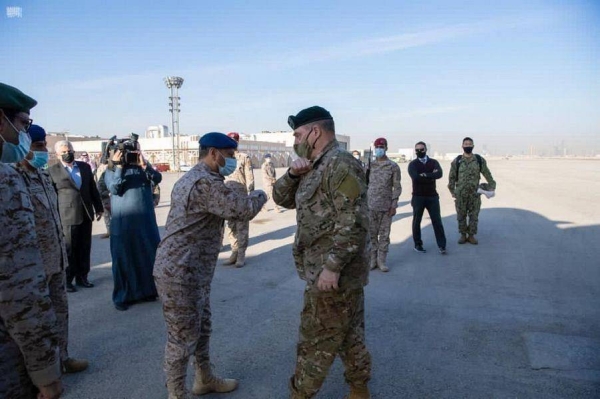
{"x": 157, "y": 132}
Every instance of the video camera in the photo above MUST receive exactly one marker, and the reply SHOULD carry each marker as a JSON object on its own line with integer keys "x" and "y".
{"x": 129, "y": 148}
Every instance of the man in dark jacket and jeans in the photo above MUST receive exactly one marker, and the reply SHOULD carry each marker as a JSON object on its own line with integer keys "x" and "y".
{"x": 424, "y": 171}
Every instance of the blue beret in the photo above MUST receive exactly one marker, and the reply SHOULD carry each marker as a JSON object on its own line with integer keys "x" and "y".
{"x": 217, "y": 140}
{"x": 37, "y": 133}
{"x": 267, "y": 156}
{"x": 14, "y": 99}
{"x": 308, "y": 115}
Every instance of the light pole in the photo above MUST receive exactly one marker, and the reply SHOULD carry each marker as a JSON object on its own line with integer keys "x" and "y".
{"x": 174, "y": 83}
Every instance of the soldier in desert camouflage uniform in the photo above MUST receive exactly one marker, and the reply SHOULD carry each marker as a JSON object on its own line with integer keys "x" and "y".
{"x": 242, "y": 181}
{"x": 463, "y": 181}
{"x": 29, "y": 355}
{"x": 269, "y": 177}
{"x": 186, "y": 259}
{"x": 327, "y": 188}
{"x": 384, "y": 190}
{"x": 50, "y": 239}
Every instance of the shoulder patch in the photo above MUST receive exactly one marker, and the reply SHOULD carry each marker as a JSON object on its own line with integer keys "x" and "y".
{"x": 350, "y": 187}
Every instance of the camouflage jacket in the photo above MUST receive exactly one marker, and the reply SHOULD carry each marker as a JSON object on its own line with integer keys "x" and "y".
{"x": 332, "y": 217}
{"x": 102, "y": 187}
{"x": 268, "y": 173}
{"x": 27, "y": 318}
{"x": 51, "y": 239}
{"x": 200, "y": 202}
{"x": 468, "y": 176}
{"x": 243, "y": 173}
{"x": 384, "y": 185}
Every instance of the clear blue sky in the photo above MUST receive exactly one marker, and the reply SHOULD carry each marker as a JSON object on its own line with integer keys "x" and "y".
{"x": 509, "y": 73}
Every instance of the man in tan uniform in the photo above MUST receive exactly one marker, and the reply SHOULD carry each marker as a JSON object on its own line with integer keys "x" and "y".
{"x": 29, "y": 355}
{"x": 50, "y": 237}
{"x": 327, "y": 188}
{"x": 186, "y": 259}
{"x": 269, "y": 176}
{"x": 242, "y": 181}
{"x": 384, "y": 191}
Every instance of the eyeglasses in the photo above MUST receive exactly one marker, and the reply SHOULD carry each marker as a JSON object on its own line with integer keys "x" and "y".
{"x": 26, "y": 123}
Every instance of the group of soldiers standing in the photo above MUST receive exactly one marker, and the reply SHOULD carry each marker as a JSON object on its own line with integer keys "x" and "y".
{"x": 343, "y": 224}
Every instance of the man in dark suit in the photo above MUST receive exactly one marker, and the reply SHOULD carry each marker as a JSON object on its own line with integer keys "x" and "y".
{"x": 78, "y": 203}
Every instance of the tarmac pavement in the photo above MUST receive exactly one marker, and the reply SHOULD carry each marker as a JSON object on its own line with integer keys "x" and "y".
{"x": 517, "y": 316}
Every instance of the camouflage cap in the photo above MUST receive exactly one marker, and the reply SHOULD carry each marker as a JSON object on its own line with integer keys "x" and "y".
{"x": 308, "y": 115}
{"x": 14, "y": 99}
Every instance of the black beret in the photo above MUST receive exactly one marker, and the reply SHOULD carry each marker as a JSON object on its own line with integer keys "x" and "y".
{"x": 37, "y": 133}
{"x": 14, "y": 99}
{"x": 217, "y": 140}
{"x": 308, "y": 115}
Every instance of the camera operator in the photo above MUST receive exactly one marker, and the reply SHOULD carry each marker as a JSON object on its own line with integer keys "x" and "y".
{"x": 134, "y": 233}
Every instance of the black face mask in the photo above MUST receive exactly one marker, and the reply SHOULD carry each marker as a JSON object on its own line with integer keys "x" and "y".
{"x": 468, "y": 150}
{"x": 421, "y": 154}
{"x": 69, "y": 157}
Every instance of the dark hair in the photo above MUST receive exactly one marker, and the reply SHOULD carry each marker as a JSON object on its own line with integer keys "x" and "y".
{"x": 10, "y": 114}
{"x": 469, "y": 139}
{"x": 203, "y": 152}
{"x": 423, "y": 144}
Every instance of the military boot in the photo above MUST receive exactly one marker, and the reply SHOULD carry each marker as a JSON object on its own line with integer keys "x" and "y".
{"x": 71, "y": 365}
{"x": 241, "y": 258}
{"x": 359, "y": 392}
{"x": 472, "y": 239}
{"x": 206, "y": 382}
{"x": 462, "y": 239}
{"x": 381, "y": 261}
{"x": 173, "y": 395}
{"x": 178, "y": 391}
{"x": 232, "y": 258}
{"x": 373, "y": 263}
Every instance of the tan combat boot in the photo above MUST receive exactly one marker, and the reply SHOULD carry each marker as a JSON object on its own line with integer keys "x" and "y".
{"x": 373, "y": 263}
{"x": 381, "y": 262}
{"x": 359, "y": 392}
{"x": 71, "y": 365}
{"x": 473, "y": 240}
{"x": 173, "y": 395}
{"x": 462, "y": 239}
{"x": 232, "y": 258}
{"x": 241, "y": 258}
{"x": 206, "y": 382}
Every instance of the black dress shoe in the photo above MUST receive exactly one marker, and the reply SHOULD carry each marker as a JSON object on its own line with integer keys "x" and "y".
{"x": 121, "y": 306}
{"x": 84, "y": 283}
{"x": 71, "y": 287}
{"x": 149, "y": 299}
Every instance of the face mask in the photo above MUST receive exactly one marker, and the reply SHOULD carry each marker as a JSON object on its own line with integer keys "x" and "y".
{"x": 468, "y": 150}
{"x": 421, "y": 154}
{"x": 69, "y": 157}
{"x": 40, "y": 158}
{"x": 229, "y": 168}
{"x": 379, "y": 152}
{"x": 267, "y": 159}
{"x": 304, "y": 150}
{"x": 357, "y": 156}
{"x": 12, "y": 153}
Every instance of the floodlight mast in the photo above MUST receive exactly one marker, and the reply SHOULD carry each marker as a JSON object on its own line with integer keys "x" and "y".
{"x": 174, "y": 83}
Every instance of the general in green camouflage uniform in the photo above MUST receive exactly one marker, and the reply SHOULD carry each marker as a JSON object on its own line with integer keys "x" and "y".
{"x": 463, "y": 183}
{"x": 330, "y": 198}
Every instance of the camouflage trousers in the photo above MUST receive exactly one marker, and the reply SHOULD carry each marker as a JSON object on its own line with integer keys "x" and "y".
{"x": 379, "y": 229}
{"x": 187, "y": 315}
{"x": 467, "y": 206}
{"x": 269, "y": 191}
{"x": 331, "y": 324}
{"x": 14, "y": 378}
{"x": 238, "y": 234}
{"x": 107, "y": 218}
{"x": 58, "y": 296}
